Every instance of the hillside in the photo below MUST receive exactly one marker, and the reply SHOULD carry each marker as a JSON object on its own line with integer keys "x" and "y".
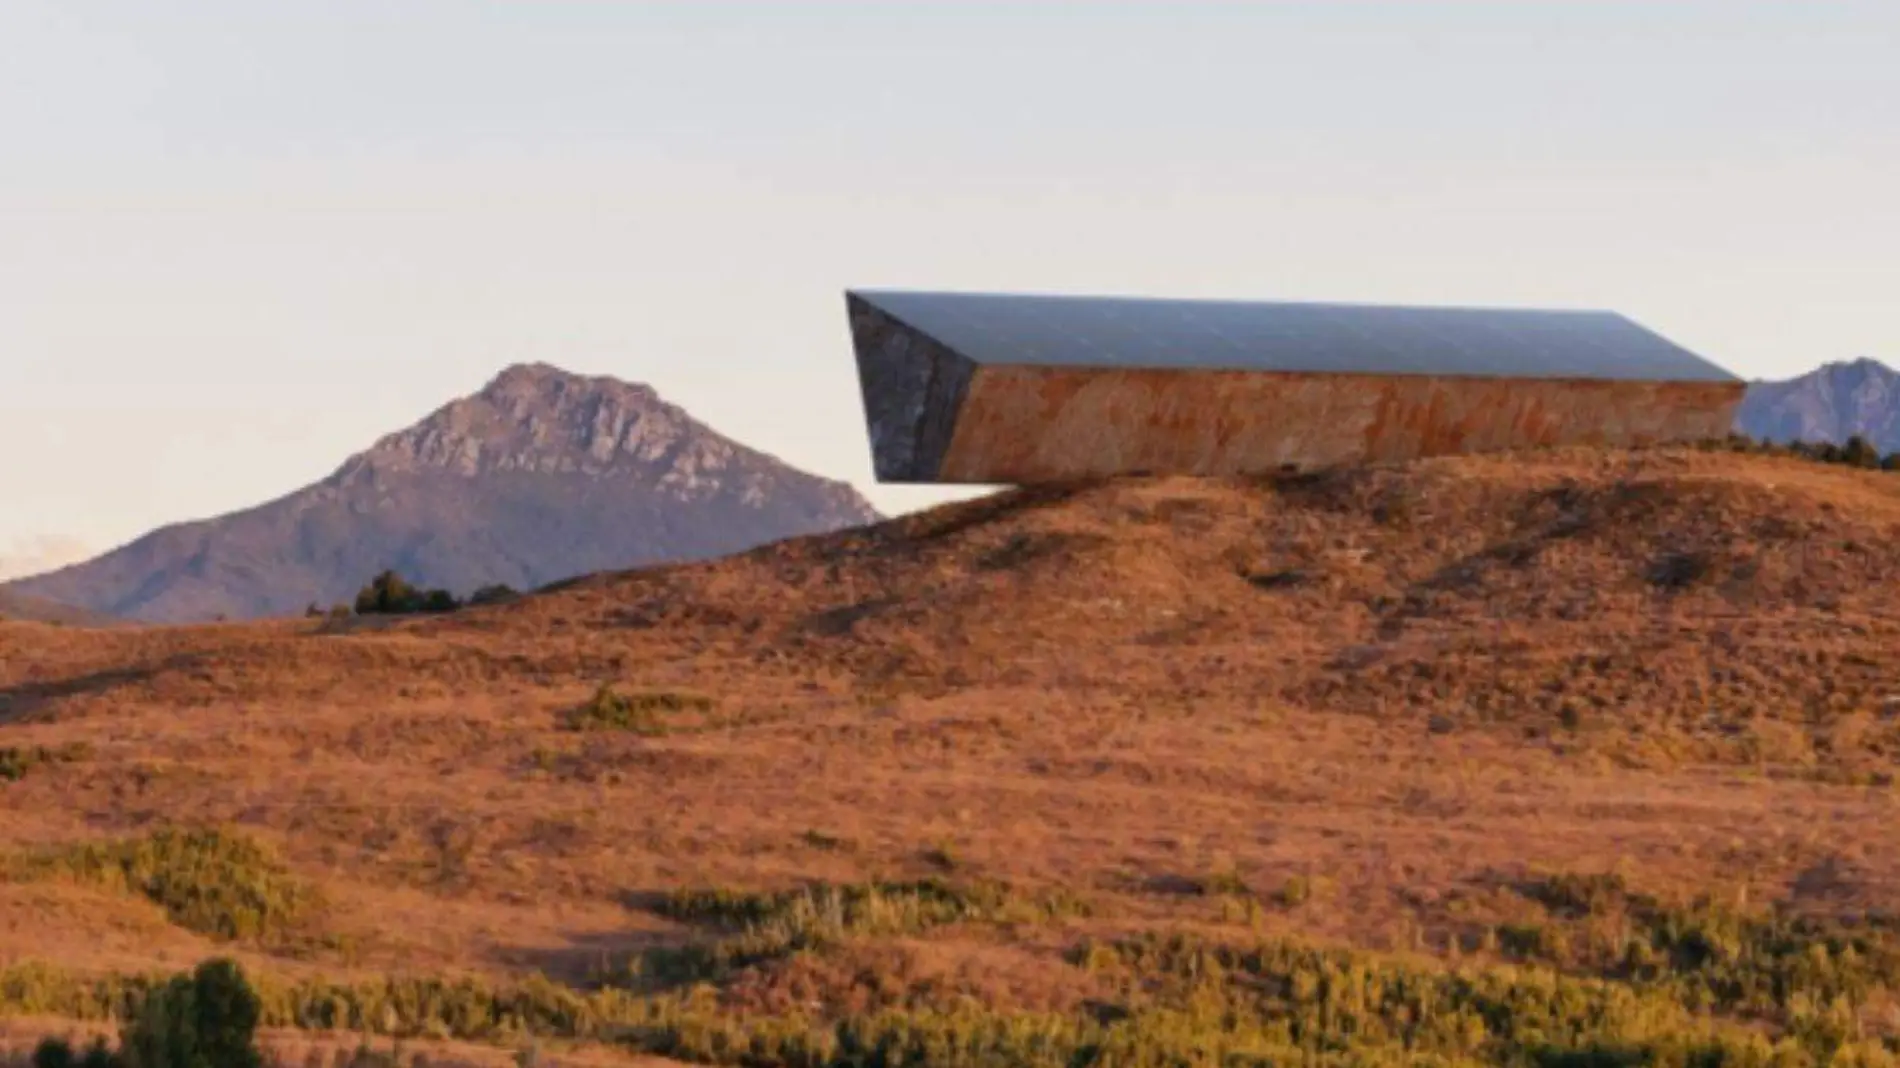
{"x": 1084, "y": 769}
{"x": 1831, "y": 403}
{"x": 540, "y": 476}
{"x": 22, "y": 609}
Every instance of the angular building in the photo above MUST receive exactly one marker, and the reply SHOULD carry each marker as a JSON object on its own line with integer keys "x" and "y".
{"x": 990, "y": 388}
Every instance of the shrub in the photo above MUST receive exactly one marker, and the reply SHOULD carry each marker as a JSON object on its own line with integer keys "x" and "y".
{"x": 58, "y": 1053}
{"x": 765, "y": 927}
{"x": 638, "y": 713}
{"x": 205, "y": 1020}
{"x": 389, "y": 594}
{"x": 17, "y": 762}
{"x": 495, "y": 594}
{"x": 1859, "y": 452}
{"x": 209, "y": 881}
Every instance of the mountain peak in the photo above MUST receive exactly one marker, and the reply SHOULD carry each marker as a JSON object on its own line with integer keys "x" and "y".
{"x": 539, "y": 475}
{"x": 544, "y": 380}
{"x": 538, "y": 417}
{"x": 1861, "y": 367}
{"x": 1835, "y": 401}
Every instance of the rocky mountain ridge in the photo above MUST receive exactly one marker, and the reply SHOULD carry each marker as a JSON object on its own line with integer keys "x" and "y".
{"x": 1831, "y": 403}
{"x": 539, "y": 476}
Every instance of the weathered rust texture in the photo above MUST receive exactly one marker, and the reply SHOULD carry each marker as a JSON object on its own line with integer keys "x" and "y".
{"x": 912, "y": 387}
{"x": 1020, "y": 424}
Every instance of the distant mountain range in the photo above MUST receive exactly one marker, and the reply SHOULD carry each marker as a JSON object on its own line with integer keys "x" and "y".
{"x": 1830, "y": 403}
{"x": 540, "y": 476}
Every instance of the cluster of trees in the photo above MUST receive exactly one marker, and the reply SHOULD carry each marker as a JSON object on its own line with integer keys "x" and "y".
{"x": 206, "y": 1018}
{"x": 1857, "y": 451}
{"x": 389, "y": 594}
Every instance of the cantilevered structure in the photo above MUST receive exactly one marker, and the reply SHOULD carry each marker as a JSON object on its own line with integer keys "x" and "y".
{"x": 992, "y": 388}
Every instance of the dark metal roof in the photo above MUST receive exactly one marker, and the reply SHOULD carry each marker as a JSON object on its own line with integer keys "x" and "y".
{"x": 1125, "y": 332}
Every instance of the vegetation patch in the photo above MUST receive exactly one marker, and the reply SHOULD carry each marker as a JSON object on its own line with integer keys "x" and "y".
{"x": 1169, "y": 1000}
{"x": 1857, "y": 451}
{"x": 389, "y": 594}
{"x": 1799, "y": 972}
{"x": 650, "y": 712}
{"x": 213, "y": 882}
{"x": 1223, "y": 881}
{"x": 1283, "y": 1000}
{"x": 830, "y": 843}
{"x": 754, "y": 928}
{"x": 17, "y": 762}
{"x": 204, "y": 1019}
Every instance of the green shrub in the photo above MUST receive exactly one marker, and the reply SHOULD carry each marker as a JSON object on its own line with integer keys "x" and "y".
{"x": 213, "y": 882}
{"x": 16, "y": 762}
{"x": 495, "y": 594}
{"x": 764, "y": 927}
{"x": 637, "y": 713}
{"x": 54, "y": 1053}
{"x": 58, "y": 1053}
{"x": 389, "y": 594}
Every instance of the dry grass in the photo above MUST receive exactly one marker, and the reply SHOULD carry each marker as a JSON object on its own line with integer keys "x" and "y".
{"x": 1349, "y": 708}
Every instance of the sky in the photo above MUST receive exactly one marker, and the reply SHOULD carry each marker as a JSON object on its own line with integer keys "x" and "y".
{"x": 241, "y": 241}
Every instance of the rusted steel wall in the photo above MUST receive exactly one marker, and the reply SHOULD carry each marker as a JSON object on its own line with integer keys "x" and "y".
{"x": 1042, "y": 424}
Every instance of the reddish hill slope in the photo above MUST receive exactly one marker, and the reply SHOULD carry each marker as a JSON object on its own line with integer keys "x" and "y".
{"x": 1369, "y": 708}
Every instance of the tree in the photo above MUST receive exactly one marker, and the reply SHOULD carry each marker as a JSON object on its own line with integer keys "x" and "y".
{"x": 1859, "y": 452}
{"x": 389, "y": 594}
{"x": 207, "y": 1019}
{"x": 203, "y": 1019}
{"x": 386, "y": 594}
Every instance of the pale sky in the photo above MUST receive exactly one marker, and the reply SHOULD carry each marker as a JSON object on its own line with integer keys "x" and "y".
{"x": 240, "y": 241}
